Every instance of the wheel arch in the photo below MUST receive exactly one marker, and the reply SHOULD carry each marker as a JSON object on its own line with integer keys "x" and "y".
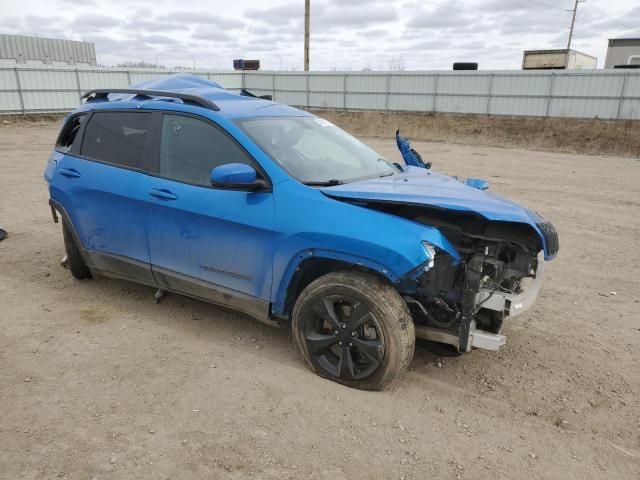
{"x": 311, "y": 264}
{"x": 66, "y": 219}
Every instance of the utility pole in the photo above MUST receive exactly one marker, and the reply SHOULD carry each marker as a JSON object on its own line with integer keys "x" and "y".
{"x": 307, "y": 8}
{"x": 573, "y": 21}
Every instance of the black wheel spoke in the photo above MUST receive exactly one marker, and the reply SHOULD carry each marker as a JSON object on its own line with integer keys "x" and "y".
{"x": 344, "y": 338}
{"x": 368, "y": 348}
{"x": 318, "y": 342}
{"x": 330, "y": 310}
{"x": 346, "y": 369}
{"x": 359, "y": 314}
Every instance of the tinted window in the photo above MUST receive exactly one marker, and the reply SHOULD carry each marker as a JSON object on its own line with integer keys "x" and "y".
{"x": 116, "y": 137}
{"x": 191, "y": 148}
{"x": 69, "y": 135}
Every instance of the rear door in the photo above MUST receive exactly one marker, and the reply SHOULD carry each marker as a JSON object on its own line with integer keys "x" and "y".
{"x": 102, "y": 188}
{"x": 212, "y": 243}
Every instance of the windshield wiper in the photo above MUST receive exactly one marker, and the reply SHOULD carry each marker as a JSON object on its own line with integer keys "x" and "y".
{"x": 327, "y": 183}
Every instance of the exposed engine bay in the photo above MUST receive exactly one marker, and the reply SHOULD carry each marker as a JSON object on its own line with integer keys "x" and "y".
{"x": 499, "y": 259}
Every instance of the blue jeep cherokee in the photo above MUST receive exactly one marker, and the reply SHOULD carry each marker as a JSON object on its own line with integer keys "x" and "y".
{"x": 188, "y": 188}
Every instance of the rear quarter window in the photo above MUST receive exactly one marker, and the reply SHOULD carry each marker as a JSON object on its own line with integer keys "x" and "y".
{"x": 117, "y": 137}
{"x": 69, "y": 140}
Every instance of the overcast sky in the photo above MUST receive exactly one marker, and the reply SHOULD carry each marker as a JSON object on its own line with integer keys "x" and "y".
{"x": 345, "y": 34}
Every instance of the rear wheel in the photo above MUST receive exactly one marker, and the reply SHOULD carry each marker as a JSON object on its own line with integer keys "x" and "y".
{"x": 74, "y": 259}
{"x": 353, "y": 329}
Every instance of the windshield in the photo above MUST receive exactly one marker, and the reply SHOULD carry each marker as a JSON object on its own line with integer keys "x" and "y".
{"x": 315, "y": 151}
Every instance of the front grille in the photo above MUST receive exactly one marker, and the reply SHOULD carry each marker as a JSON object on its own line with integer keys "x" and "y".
{"x": 550, "y": 236}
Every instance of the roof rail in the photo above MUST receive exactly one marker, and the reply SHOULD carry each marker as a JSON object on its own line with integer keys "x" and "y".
{"x": 102, "y": 94}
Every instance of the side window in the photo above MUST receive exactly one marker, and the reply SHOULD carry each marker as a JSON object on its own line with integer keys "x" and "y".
{"x": 117, "y": 137}
{"x": 68, "y": 137}
{"x": 191, "y": 148}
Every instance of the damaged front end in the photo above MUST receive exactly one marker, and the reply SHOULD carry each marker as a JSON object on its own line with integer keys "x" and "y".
{"x": 493, "y": 270}
{"x": 461, "y": 296}
{"x": 465, "y": 303}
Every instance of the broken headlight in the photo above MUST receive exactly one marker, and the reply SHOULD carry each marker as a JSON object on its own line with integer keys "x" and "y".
{"x": 431, "y": 251}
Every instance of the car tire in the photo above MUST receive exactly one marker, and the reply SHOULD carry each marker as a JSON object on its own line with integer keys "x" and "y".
{"x": 354, "y": 329}
{"x": 75, "y": 262}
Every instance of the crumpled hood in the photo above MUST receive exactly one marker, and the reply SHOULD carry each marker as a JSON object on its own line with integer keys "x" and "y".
{"x": 418, "y": 186}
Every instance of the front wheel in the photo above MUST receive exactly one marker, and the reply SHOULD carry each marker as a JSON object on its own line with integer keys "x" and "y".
{"x": 352, "y": 328}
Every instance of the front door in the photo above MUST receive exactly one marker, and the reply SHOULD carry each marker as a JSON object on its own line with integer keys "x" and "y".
{"x": 210, "y": 243}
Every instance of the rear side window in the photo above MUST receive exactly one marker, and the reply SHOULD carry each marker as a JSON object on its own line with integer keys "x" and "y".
{"x": 117, "y": 137}
{"x": 69, "y": 139}
{"x": 191, "y": 148}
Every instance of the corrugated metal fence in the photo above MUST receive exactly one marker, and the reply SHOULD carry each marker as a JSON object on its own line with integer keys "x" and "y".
{"x": 606, "y": 94}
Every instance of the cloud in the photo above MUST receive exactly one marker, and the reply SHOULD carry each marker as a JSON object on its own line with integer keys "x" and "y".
{"x": 440, "y": 18}
{"x": 352, "y": 34}
{"x": 159, "y": 39}
{"x": 214, "y": 34}
{"x": 353, "y": 15}
{"x": 281, "y": 14}
{"x": 186, "y": 18}
{"x": 92, "y": 22}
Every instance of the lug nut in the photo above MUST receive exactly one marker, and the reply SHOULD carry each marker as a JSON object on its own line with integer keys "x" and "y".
{"x": 350, "y": 344}
{"x": 335, "y": 332}
{"x": 353, "y": 334}
{"x": 340, "y": 343}
{"x": 344, "y": 325}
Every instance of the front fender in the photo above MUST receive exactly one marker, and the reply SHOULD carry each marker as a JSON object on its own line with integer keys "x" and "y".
{"x": 280, "y": 295}
{"x": 315, "y": 225}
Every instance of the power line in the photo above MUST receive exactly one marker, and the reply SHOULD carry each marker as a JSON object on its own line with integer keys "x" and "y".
{"x": 591, "y": 5}
{"x": 546, "y": 5}
{"x": 520, "y": 21}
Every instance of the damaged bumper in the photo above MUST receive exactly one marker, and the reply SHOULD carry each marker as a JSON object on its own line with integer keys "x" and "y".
{"x": 476, "y": 338}
{"x": 478, "y": 297}
{"x": 512, "y": 304}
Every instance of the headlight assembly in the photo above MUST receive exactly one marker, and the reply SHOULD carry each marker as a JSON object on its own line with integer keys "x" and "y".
{"x": 431, "y": 251}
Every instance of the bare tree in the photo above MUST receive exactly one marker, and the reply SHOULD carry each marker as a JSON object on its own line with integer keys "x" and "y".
{"x": 139, "y": 65}
{"x": 396, "y": 64}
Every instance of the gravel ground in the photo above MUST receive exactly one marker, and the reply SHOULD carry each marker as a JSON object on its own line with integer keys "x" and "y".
{"x": 96, "y": 381}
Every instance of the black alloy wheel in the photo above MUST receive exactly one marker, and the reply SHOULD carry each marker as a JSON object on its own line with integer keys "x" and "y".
{"x": 354, "y": 328}
{"x": 344, "y": 338}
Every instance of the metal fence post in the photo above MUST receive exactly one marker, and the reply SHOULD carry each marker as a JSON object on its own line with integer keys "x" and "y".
{"x": 307, "y": 74}
{"x": 435, "y": 94}
{"x": 490, "y": 94}
{"x": 273, "y": 86}
{"x": 15, "y": 70}
{"x": 550, "y": 95}
{"x": 344, "y": 91}
{"x": 621, "y": 98}
{"x": 388, "y": 91}
{"x": 78, "y": 83}
{"x": 129, "y": 76}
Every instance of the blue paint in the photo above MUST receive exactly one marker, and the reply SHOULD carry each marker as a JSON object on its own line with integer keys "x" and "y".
{"x": 418, "y": 186}
{"x": 253, "y": 241}
{"x": 233, "y": 173}
{"x": 409, "y": 155}
{"x": 478, "y": 183}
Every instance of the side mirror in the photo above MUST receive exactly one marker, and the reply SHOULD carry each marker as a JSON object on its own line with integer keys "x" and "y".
{"x": 236, "y": 175}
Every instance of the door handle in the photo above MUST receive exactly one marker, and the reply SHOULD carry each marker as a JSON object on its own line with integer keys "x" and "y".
{"x": 162, "y": 193}
{"x": 70, "y": 172}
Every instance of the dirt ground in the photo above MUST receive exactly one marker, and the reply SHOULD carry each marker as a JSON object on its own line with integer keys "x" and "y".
{"x": 590, "y": 136}
{"x": 96, "y": 381}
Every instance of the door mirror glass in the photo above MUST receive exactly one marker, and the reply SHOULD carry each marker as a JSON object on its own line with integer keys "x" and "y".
{"x": 233, "y": 174}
